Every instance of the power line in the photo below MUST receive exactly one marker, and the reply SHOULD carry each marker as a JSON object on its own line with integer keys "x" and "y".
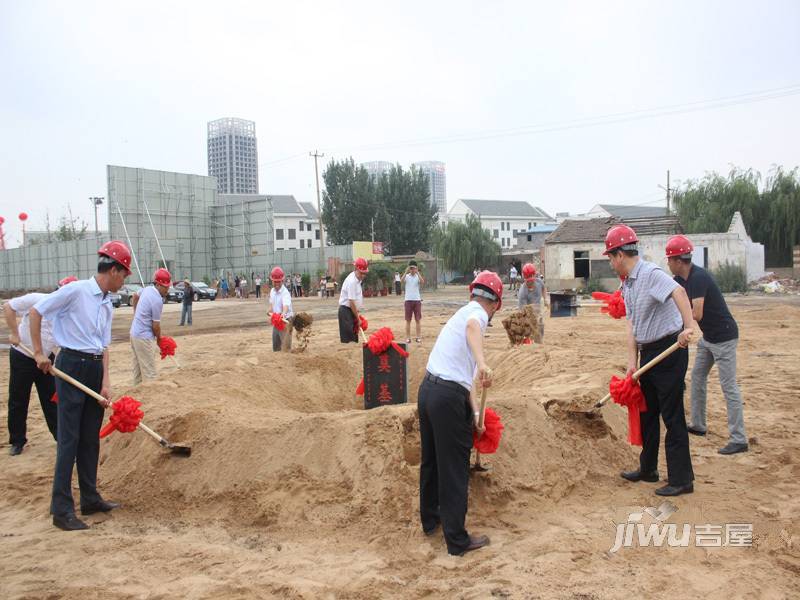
{"x": 580, "y": 123}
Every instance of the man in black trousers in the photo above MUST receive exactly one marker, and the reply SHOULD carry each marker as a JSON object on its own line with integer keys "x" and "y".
{"x": 81, "y": 315}
{"x": 23, "y": 373}
{"x": 448, "y": 412}
{"x": 659, "y": 314}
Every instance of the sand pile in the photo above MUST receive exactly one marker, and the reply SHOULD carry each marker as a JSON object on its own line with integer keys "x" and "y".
{"x": 280, "y": 441}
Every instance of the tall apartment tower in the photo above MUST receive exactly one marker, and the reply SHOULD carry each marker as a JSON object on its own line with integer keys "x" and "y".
{"x": 233, "y": 155}
{"x": 377, "y": 168}
{"x": 438, "y": 183}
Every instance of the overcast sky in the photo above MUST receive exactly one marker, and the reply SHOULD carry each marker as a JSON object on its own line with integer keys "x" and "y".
{"x": 86, "y": 84}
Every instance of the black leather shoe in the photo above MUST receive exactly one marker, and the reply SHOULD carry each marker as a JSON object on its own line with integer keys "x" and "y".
{"x": 695, "y": 431}
{"x": 16, "y": 449}
{"x": 102, "y": 506}
{"x": 675, "y": 490}
{"x": 475, "y": 542}
{"x": 432, "y": 530}
{"x": 637, "y": 475}
{"x": 733, "y": 448}
{"x": 69, "y": 522}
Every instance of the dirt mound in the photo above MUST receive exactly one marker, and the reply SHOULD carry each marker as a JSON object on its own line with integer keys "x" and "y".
{"x": 271, "y": 452}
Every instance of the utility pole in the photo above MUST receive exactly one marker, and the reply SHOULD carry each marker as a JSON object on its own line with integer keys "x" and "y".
{"x": 96, "y": 201}
{"x": 668, "y": 190}
{"x": 316, "y": 154}
{"x": 372, "y": 228}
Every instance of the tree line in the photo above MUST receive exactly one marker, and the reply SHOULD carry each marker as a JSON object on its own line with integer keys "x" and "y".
{"x": 771, "y": 211}
{"x": 394, "y": 207}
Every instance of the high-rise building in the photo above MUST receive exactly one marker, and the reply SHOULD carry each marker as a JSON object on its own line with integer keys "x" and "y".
{"x": 233, "y": 155}
{"x": 437, "y": 180}
{"x": 376, "y": 168}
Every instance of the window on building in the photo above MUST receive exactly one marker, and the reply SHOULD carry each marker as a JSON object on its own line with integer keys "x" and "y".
{"x": 581, "y": 263}
{"x": 529, "y": 224}
{"x": 502, "y": 226}
{"x": 309, "y": 244}
{"x": 316, "y": 234}
{"x": 292, "y": 234}
{"x": 508, "y": 226}
{"x": 302, "y": 243}
{"x": 279, "y": 234}
{"x": 495, "y": 234}
{"x": 529, "y": 238}
{"x": 301, "y": 226}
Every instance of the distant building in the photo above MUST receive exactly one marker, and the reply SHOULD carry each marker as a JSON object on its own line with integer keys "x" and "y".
{"x": 233, "y": 155}
{"x": 504, "y": 219}
{"x": 625, "y": 211}
{"x": 437, "y": 182}
{"x": 377, "y": 168}
{"x": 294, "y": 224}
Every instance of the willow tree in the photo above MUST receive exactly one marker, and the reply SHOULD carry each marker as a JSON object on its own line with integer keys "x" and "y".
{"x": 771, "y": 215}
{"x": 464, "y": 246}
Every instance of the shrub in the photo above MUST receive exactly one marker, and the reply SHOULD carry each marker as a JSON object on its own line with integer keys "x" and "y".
{"x": 730, "y": 278}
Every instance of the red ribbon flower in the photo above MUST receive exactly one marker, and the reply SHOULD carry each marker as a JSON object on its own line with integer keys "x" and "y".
{"x": 490, "y": 440}
{"x": 278, "y": 322}
{"x": 126, "y": 417}
{"x": 167, "y": 345}
{"x": 626, "y": 392}
{"x": 615, "y": 303}
{"x": 378, "y": 343}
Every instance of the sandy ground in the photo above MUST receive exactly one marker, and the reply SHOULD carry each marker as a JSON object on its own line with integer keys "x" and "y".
{"x": 294, "y": 491}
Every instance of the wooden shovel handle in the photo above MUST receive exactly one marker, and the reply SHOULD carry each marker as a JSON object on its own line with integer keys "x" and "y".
{"x": 483, "y": 407}
{"x": 72, "y": 380}
{"x": 363, "y": 335}
{"x": 644, "y": 369}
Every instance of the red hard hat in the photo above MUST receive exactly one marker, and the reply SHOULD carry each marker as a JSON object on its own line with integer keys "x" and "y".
{"x": 678, "y": 245}
{"x": 162, "y": 277}
{"x": 277, "y": 274}
{"x": 528, "y": 271}
{"x": 489, "y": 281}
{"x": 117, "y": 251}
{"x": 362, "y": 265}
{"x": 619, "y": 235}
{"x": 66, "y": 280}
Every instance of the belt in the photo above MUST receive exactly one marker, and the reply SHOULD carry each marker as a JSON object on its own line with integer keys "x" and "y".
{"x": 665, "y": 341}
{"x": 85, "y": 355}
{"x": 446, "y": 383}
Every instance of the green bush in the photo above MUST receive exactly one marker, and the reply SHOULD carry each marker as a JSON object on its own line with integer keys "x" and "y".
{"x": 730, "y": 278}
{"x": 594, "y": 285}
{"x": 306, "y": 280}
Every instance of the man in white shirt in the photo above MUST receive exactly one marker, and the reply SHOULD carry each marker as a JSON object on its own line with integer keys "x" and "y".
{"x": 280, "y": 302}
{"x": 448, "y": 413}
{"x": 258, "y": 286}
{"x": 512, "y": 277}
{"x": 413, "y": 303}
{"x": 23, "y": 372}
{"x": 145, "y": 329}
{"x": 351, "y": 298}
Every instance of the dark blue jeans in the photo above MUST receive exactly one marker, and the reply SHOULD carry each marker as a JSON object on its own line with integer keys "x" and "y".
{"x": 186, "y": 313}
{"x": 79, "y": 420}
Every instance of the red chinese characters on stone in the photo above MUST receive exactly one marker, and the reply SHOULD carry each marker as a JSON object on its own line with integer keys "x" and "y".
{"x": 384, "y": 366}
{"x": 384, "y": 396}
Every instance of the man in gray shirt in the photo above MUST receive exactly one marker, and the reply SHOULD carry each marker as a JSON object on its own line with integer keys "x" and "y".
{"x": 658, "y": 315}
{"x": 533, "y": 292}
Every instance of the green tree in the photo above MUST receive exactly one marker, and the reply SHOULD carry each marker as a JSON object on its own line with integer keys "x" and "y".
{"x": 772, "y": 215}
{"x": 348, "y": 202}
{"x": 405, "y": 217}
{"x": 463, "y": 246}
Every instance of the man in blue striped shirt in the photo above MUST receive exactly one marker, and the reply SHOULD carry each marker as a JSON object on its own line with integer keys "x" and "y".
{"x": 81, "y": 315}
{"x": 658, "y": 315}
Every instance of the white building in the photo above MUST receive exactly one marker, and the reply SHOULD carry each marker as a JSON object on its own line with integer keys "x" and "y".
{"x": 504, "y": 219}
{"x": 296, "y": 223}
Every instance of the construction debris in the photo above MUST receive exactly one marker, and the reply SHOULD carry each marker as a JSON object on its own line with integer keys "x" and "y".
{"x": 302, "y": 324}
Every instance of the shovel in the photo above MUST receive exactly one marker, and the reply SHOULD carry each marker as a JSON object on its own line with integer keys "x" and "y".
{"x": 174, "y": 448}
{"x": 593, "y": 408}
{"x": 478, "y": 467}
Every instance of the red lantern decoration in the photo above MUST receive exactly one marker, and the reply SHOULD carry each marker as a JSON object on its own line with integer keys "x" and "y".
{"x": 615, "y": 303}
{"x": 277, "y": 321}
{"x": 23, "y": 216}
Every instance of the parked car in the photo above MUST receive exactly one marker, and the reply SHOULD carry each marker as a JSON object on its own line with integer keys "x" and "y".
{"x": 173, "y": 295}
{"x": 200, "y": 289}
{"x": 116, "y": 299}
{"x": 127, "y": 292}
